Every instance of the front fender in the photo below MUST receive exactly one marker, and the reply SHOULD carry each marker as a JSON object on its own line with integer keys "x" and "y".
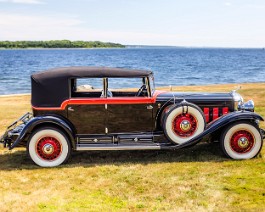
{"x": 34, "y": 122}
{"x": 233, "y": 117}
{"x": 219, "y": 123}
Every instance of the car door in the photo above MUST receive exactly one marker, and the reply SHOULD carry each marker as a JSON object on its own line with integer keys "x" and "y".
{"x": 87, "y": 117}
{"x": 128, "y": 112}
{"x": 129, "y": 117}
{"x": 85, "y": 108}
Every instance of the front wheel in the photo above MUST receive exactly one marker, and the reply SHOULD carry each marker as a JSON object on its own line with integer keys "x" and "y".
{"x": 49, "y": 147}
{"x": 241, "y": 141}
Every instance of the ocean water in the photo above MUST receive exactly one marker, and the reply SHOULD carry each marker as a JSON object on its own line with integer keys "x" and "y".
{"x": 171, "y": 66}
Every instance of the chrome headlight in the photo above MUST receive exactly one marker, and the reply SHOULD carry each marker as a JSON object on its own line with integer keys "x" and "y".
{"x": 238, "y": 100}
{"x": 248, "y": 106}
{"x": 239, "y": 103}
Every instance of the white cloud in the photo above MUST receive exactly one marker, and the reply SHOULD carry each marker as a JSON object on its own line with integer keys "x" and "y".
{"x": 28, "y": 27}
{"x": 31, "y": 22}
{"x": 23, "y": 1}
{"x": 56, "y": 27}
{"x": 228, "y": 4}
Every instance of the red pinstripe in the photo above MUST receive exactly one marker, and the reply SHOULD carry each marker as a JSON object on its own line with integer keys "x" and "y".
{"x": 98, "y": 101}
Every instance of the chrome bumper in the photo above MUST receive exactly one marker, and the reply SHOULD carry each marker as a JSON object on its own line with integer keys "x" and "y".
{"x": 262, "y": 133}
{"x": 14, "y": 129}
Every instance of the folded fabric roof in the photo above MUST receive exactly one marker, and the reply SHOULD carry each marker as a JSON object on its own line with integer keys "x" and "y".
{"x": 51, "y": 87}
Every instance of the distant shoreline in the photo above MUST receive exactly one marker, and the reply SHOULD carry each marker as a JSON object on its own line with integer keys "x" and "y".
{"x": 136, "y": 47}
{"x": 58, "y": 44}
{"x": 61, "y": 48}
{"x": 80, "y": 44}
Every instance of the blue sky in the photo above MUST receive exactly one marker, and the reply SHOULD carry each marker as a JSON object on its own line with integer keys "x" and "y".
{"x": 199, "y": 23}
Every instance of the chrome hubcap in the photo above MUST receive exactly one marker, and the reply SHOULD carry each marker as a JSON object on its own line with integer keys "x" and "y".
{"x": 48, "y": 149}
{"x": 185, "y": 125}
{"x": 243, "y": 142}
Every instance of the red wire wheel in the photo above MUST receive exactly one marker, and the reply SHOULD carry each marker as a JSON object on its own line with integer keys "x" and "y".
{"x": 183, "y": 122}
{"x": 242, "y": 141}
{"x": 48, "y": 148}
{"x": 184, "y": 125}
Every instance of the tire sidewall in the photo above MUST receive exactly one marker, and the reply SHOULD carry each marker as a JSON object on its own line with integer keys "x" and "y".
{"x": 226, "y": 136}
{"x": 173, "y": 112}
{"x": 52, "y": 132}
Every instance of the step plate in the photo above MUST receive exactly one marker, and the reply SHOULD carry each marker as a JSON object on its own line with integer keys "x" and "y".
{"x": 122, "y": 139}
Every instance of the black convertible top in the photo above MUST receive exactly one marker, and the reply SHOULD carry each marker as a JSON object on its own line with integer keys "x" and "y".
{"x": 85, "y": 71}
{"x": 51, "y": 87}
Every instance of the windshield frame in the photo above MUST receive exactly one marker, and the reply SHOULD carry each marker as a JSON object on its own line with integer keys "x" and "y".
{"x": 152, "y": 84}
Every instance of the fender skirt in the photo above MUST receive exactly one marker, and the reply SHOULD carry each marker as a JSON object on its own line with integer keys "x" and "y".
{"x": 44, "y": 120}
{"x": 217, "y": 124}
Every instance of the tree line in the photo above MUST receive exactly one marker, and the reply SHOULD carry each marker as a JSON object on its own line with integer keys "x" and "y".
{"x": 58, "y": 44}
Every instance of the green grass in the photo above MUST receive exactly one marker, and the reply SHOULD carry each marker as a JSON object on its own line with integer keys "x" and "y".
{"x": 199, "y": 178}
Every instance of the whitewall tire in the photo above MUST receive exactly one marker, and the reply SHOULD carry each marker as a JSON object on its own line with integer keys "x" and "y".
{"x": 49, "y": 147}
{"x": 183, "y": 122}
{"x": 241, "y": 141}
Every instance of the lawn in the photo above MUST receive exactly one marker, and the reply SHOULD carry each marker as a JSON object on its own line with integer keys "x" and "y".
{"x": 199, "y": 178}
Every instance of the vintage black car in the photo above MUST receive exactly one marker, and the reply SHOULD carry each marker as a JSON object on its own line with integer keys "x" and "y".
{"x": 88, "y": 108}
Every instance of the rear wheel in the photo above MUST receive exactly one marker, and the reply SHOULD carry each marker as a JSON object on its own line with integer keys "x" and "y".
{"x": 49, "y": 147}
{"x": 183, "y": 122}
{"x": 241, "y": 141}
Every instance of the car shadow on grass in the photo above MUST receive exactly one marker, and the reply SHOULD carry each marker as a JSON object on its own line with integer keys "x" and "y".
{"x": 18, "y": 159}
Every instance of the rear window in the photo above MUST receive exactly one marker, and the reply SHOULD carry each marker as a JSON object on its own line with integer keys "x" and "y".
{"x": 87, "y": 87}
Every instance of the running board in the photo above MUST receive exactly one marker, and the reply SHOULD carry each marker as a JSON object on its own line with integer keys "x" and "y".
{"x": 117, "y": 147}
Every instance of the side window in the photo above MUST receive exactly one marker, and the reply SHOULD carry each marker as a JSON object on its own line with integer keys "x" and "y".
{"x": 127, "y": 87}
{"x": 87, "y": 87}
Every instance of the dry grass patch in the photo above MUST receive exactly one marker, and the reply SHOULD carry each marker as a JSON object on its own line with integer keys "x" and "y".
{"x": 199, "y": 178}
{"x": 11, "y": 108}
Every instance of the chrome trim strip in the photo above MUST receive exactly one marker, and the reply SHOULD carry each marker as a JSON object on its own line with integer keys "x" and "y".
{"x": 117, "y": 147}
{"x": 13, "y": 134}
{"x": 94, "y": 141}
{"x": 121, "y": 134}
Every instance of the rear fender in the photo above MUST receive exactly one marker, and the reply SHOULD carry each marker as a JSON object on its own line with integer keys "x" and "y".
{"x": 220, "y": 123}
{"x": 45, "y": 120}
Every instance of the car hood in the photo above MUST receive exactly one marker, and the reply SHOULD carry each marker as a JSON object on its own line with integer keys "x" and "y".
{"x": 165, "y": 96}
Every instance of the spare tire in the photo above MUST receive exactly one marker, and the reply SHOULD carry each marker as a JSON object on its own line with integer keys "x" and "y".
{"x": 182, "y": 122}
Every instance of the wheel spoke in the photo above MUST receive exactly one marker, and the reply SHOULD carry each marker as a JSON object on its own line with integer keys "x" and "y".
{"x": 48, "y": 148}
{"x": 242, "y": 141}
{"x": 184, "y": 125}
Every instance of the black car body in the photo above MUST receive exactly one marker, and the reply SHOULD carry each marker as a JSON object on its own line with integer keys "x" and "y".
{"x": 65, "y": 118}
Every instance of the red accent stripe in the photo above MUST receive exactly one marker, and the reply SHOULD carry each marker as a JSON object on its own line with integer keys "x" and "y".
{"x": 215, "y": 113}
{"x": 206, "y": 114}
{"x": 100, "y": 101}
{"x": 225, "y": 110}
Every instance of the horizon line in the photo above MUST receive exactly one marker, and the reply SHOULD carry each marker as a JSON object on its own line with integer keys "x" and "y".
{"x": 143, "y": 45}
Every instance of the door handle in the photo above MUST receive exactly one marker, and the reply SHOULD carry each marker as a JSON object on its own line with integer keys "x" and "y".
{"x": 70, "y": 109}
{"x": 149, "y": 107}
